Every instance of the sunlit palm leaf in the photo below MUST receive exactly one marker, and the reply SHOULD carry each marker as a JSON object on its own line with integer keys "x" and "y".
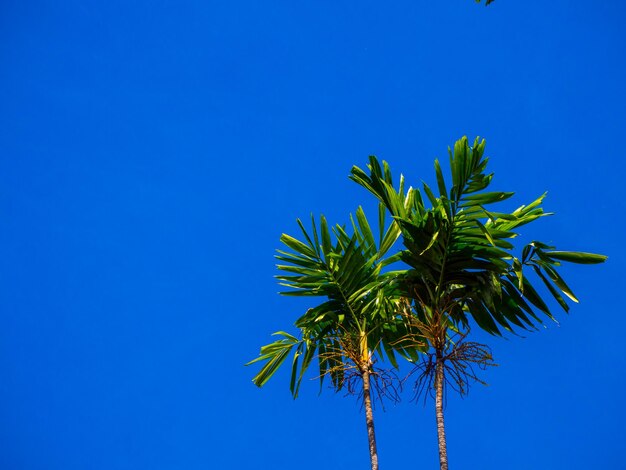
{"x": 459, "y": 249}
{"x": 345, "y": 270}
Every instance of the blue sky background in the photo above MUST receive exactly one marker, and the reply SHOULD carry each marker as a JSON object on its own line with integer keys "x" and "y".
{"x": 153, "y": 152}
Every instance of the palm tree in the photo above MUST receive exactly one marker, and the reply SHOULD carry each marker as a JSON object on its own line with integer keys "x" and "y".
{"x": 461, "y": 263}
{"x": 355, "y": 324}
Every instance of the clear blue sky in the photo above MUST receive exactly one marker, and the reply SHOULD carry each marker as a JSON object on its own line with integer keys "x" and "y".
{"x": 151, "y": 154}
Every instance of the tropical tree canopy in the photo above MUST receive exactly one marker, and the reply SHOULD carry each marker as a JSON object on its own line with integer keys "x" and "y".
{"x": 461, "y": 265}
{"x": 459, "y": 248}
{"x": 356, "y": 318}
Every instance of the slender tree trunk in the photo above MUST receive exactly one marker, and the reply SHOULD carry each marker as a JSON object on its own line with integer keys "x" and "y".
{"x": 369, "y": 419}
{"x": 441, "y": 431}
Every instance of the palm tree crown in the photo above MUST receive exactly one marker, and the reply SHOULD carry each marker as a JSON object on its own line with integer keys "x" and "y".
{"x": 459, "y": 249}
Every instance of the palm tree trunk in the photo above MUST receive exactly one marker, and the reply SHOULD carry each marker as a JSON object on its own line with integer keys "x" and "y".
{"x": 369, "y": 420}
{"x": 441, "y": 431}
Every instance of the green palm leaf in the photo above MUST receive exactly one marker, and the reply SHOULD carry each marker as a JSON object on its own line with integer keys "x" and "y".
{"x": 459, "y": 241}
{"x": 345, "y": 270}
